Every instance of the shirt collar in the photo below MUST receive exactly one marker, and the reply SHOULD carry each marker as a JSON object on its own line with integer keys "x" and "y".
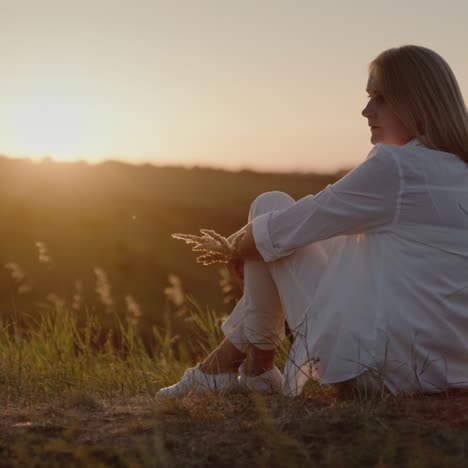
{"x": 415, "y": 142}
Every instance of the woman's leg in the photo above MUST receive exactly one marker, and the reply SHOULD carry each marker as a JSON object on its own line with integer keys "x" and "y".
{"x": 225, "y": 358}
{"x": 256, "y": 325}
{"x": 276, "y": 291}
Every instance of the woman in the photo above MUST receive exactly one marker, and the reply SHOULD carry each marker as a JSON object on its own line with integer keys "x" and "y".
{"x": 371, "y": 273}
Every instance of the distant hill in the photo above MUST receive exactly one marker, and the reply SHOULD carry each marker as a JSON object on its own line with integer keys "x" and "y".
{"x": 118, "y": 217}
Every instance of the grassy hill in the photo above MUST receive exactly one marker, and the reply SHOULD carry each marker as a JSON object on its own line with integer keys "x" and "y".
{"x": 118, "y": 218}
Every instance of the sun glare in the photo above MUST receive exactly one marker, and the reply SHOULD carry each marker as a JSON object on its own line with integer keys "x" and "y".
{"x": 56, "y": 123}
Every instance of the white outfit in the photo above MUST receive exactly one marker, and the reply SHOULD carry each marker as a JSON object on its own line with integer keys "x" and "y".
{"x": 370, "y": 273}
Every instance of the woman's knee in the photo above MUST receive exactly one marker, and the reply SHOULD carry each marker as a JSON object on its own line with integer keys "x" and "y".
{"x": 270, "y": 201}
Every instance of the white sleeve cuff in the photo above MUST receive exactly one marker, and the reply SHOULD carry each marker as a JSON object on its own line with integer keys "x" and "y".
{"x": 261, "y": 234}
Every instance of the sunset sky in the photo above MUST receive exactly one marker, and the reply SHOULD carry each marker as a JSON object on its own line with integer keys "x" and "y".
{"x": 267, "y": 85}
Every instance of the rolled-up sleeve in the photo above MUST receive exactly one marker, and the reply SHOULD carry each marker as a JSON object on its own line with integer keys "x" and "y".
{"x": 363, "y": 200}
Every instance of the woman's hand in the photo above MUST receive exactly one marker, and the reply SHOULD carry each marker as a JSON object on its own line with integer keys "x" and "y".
{"x": 215, "y": 248}
{"x": 236, "y": 270}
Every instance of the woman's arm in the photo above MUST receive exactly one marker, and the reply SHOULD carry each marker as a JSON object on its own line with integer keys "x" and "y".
{"x": 365, "y": 199}
{"x": 247, "y": 248}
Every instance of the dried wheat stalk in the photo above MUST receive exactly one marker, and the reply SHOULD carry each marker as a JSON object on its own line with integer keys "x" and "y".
{"x": 215, "y": 247}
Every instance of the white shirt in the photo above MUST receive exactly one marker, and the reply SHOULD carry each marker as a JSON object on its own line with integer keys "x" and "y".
{"x": 394, "y": 295}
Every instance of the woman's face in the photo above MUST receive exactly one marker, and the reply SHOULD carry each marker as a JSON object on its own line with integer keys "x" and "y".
{"x": 384, "y": 125}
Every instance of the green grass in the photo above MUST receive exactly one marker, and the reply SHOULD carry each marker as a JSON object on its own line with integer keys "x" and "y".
{"x": 55, "y": 355}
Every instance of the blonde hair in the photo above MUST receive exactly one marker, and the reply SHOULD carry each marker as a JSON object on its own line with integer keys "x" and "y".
{"x": 421, "y": 89}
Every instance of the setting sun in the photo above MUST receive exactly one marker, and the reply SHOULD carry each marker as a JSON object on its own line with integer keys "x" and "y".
{"x": 52, "y": 120}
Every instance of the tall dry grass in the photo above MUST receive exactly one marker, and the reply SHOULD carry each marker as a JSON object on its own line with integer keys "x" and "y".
{"x": 62, "y": 349}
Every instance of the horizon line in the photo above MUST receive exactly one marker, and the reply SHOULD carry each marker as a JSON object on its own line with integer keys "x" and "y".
{"x": 111, "y": 159}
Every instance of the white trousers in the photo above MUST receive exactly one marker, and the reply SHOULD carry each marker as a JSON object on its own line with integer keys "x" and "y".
{"x": 275, "y": 291}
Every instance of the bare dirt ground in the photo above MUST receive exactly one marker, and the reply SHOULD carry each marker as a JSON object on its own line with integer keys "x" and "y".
{"x": 316, "y": 429}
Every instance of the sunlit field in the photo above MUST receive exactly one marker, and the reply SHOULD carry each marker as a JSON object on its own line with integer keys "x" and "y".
{"x": 96, "y": 239}
{"x": 100, "y": 308}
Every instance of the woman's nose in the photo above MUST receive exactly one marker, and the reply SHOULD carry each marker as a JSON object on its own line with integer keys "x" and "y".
{"x": 367, "y": 111}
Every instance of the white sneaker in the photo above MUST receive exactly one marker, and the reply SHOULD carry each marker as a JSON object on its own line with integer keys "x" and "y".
{"x": 195, "y": 380}
{"x": 268, "y": 382}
